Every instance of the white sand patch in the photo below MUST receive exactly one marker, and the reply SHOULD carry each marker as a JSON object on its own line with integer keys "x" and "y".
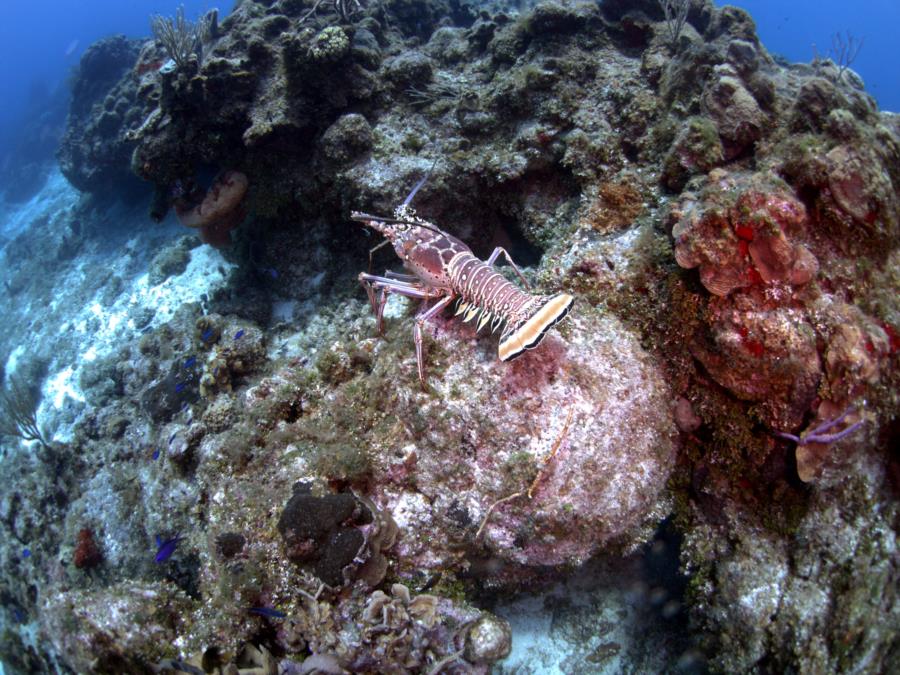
{"x": 13, "y": 360}
{"x": 532, "y": 652}
{"x": 206, "y": 271}
{"x": 83, "y": 320}
{"x": 61, "y": 385}
{"x": 284, "y": 310}
{"x": 105, "y": 329}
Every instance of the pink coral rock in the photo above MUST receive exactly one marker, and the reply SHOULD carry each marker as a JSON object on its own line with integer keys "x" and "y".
{"x": 582, "y": 428}
{"x": 822, "y": 462}
{"x": 860, "y": 186}
{"x": 763, "y": 354}
{"x": 743, "y": 230}
{"x": 771, "y": 334}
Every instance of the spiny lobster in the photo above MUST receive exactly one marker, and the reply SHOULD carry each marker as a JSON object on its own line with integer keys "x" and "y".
{"x": 445, "y": 269}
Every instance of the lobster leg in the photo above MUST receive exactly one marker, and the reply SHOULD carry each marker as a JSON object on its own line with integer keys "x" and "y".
{"x": 496, "y": 254}
{"x": 372, "y": 283}
{"x": 417, "y": 334}
{"x": 375, "y": 248}
{"x": 370, "y": 293}
{"x": 408, "y": 289}
{"x": 379, "y": 311}
{"x": 377, "y": 305}
{"x": 399, "y": 285}
{"x": 409, "y": 278}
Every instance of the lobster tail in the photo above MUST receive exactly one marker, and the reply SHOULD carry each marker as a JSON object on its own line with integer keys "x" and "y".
{"x": 483, "y": 290}
{"x": 528, "y": 333}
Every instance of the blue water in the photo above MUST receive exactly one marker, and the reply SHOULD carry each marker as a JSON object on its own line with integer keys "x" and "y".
{"x": 42, "y": 40}
{"x": 798, "y": 28}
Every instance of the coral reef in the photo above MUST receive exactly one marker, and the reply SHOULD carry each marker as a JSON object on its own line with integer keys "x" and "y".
{"x": 321, "y": 529}
{"x": 728, "y": 225}
{"x": 106, "y": 630}
{"x": 92, "y": 151}
{"x": 789, "y": 599}
{"x": 745, "y": 241}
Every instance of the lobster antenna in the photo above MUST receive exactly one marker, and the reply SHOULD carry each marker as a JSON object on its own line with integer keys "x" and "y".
{"x": 418, "y": 185}
{"x": 372, "y": 250}
{"x": 362, "y": 217}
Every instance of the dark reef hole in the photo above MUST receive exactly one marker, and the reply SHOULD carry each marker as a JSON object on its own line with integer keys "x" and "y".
{"x": 521, "y": 215}
{"x": 462, "y": 13}
{"x": 508, "y": 234}
{"x": 746, "y": 153}
{"x": 110, "y": 235}
{"x": 808, "y": 194}
{"x": 630, "y": 23}
{"x": 791, "y": 473}
{"x": 664, "y": 600}
{"x": 890, "y": 438}
{"x": 615, "y": 10}
{"x": 630, "y": 150}
{"x": 184, "y": 572}
{"x": 661, "y": 573}
{"x": 266, "y": 635}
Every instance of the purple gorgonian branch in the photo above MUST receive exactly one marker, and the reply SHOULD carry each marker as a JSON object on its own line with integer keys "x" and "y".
{"x": 819, "y": 434}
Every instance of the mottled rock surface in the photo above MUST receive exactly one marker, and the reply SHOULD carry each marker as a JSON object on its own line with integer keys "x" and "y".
{"x": 581, "y": 427}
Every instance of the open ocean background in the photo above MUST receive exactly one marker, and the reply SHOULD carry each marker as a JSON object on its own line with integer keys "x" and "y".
{"x": 42, "y": 41}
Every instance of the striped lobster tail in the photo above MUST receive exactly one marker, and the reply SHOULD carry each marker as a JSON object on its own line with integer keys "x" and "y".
{"x": 526, "y": 317}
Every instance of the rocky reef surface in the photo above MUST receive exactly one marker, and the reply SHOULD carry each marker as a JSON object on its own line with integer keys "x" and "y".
{"x": 229, "y": 470}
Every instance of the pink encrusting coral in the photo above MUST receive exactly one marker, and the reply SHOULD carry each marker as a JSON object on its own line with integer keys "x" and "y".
{"x": 743, "y": 229}
{"x": 776, "y": 330}
{"x": 767, "y": 355}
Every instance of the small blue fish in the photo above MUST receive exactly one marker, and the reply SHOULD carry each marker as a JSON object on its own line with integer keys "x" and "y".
{"x": 272, "y": 272}
{"x": 190, "y": 362}
{"x": 166, "y": 548}
{"x": 26, "y": 552}
{"x": 239, "y": 334}
{"x": 179, "y": 387}
{"x": 208, "y": 333}
{"x": 155, "y": 454}
{"x": 172, "y": 437}
{"x": 19, "y": 615}
{"x": 184, "y": 406}
{"x": 267, "y": 611}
